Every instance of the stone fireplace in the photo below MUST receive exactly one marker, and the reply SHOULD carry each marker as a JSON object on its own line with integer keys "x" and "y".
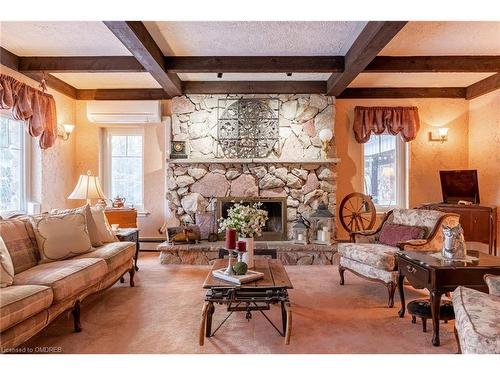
{"x": 276, "y": 225}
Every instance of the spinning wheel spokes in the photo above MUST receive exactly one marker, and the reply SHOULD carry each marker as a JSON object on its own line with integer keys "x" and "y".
{"x": 357, "y": 212}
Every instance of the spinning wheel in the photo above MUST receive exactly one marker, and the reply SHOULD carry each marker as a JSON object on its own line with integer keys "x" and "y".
{"x": 357, "y": 212}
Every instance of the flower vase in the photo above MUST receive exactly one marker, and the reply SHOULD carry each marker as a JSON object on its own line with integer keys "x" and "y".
{"x": 248, "y": 255}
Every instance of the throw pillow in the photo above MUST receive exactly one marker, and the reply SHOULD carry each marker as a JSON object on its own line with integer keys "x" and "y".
{"x": 392, "y": 234}
{"x": 6, "y": 266}
{"x": 95, "y": 238}
{"x": 20, "y": 241}
{"x": 61, "y": 236}
{"x": 105, "y": 232}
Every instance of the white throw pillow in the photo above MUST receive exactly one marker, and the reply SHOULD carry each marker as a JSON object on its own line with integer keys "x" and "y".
{"x": 102, "y": 223}
{"x": 61, "y": 236}
{"x": 6, "y": 266}
{"x": 95, "y": 238}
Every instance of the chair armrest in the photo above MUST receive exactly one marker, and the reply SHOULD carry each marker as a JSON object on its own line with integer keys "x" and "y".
{"x": 412, "y": 244}
{"x": 493, "y": 282}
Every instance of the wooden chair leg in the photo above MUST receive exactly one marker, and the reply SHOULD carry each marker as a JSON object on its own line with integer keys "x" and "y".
{"x": 414, "y": 319}
{"x": 204, "y": 311}
{"x": 122, "y": 279}
{"x": 132, "y": 273}
{"x": 424, "y": 325}
{"x": 288, "y": 331}
{"x": 391, "y": 289}
{"x": 76, "y": 317}
{"x": 341, "y": 272}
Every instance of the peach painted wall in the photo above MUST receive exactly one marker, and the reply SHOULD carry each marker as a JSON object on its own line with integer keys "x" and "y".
{"x": 426, "y": 158}
{"x": 88, "y": 157}
{"x": 484, "y": 147}
{"x": 52, "y": 170}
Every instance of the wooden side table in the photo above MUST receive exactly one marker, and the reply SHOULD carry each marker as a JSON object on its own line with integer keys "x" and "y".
{"x": 422, "y": 270}
{"x": 132, "y": 235}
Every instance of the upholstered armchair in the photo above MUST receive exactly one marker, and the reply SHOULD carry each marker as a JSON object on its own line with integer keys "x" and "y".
{"x": 477, "y": 318}
{"x": 368, "y": 257}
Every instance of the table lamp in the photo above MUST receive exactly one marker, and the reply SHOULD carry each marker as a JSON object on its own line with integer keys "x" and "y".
{"x": 88, "y": 187}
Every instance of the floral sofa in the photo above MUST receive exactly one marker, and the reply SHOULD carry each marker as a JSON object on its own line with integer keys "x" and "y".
{"x": 38, "y": 292}
{"x": 367, "y": 257}
{"x": 477, "y": 318}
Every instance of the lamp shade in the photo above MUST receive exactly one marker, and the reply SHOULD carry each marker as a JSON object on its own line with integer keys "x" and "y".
{"x": 88, "y": 187}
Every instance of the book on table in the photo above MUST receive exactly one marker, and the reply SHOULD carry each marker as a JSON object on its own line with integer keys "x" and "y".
{"x": 238, "y": 279}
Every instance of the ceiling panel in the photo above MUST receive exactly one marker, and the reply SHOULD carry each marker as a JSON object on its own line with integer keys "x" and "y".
{"x": 445, "y": 38}
{"x": 108, "y": 80}
{"x": 254, "y": 77}
{"x": 417, "y": 79}
{"x": 60, "y": 39}
{"x": 255, "y": 38}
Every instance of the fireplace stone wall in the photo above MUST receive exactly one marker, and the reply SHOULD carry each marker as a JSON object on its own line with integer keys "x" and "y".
{"x": 190, "y": 185}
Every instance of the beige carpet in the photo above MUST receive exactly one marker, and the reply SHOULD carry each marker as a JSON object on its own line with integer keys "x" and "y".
{"x": 162, "y": 315}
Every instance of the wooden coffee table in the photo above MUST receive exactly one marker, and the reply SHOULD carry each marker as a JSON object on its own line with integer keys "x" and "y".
{"x": 254, "y": 296}
{"x": 439, "y": 277}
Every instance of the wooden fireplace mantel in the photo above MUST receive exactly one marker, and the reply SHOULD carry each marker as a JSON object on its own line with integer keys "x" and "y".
{"x": 254, "y": 161}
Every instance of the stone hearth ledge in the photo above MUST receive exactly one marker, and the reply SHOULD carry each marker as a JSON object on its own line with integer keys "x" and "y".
{"x": 254, "y": 161}
{"x": 204, "y": 253}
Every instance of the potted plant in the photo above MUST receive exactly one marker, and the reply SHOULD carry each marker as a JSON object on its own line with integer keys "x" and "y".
{"x": 248, "y": 221}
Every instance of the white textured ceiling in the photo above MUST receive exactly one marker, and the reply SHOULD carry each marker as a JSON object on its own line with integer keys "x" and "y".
{"x": 445, "y": 38}
{"x": 254, "y": 77}
{"x": 417, "y": 79}
{"x": 108, "y": 80}
{"x": 254, "y": 38}
{"x": 60, "y": 39}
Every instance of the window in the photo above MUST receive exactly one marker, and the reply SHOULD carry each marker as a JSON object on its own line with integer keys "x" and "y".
{"x": 13, "y": 157}
{"x": 384, "y": 171}
{"x": 124, "y": 169}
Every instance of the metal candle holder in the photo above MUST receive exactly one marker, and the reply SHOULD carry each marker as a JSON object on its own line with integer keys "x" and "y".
{"x": 229, "y": 270}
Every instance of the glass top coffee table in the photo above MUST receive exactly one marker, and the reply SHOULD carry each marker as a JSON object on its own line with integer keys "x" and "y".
{"x": 258, "y": 295}
{"x": 439, "y": 276}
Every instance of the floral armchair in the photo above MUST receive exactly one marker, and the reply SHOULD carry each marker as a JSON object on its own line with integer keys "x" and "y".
{"x": 366, "y": 257}
{"x": 477, "y": 318}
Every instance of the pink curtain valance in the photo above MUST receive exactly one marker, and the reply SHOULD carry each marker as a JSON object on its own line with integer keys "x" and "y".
{"x": 36, "y": 108}
{"x": 396, "y": 120}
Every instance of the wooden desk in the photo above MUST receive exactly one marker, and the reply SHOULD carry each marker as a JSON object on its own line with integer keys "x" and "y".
{"x": 442, "y": 276}
{"x": 125, "y": 217}
{"x": 254, "y": 296}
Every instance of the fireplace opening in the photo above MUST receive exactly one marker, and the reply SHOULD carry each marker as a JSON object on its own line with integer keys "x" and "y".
{"x": 275, "y": 229}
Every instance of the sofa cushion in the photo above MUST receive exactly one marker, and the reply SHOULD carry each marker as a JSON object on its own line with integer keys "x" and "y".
{"x": 61, "y": 236}
{"x": 477, "y": 321}
{"x": 20, "y": 244}
{"x": 493, "y": 282}
{"x": 94, "y": 236}
{"x": 375, "y": 255}
{"x": 6, "y": 266}
{"x": 417, "y": 218}
{"x": 115, "y": 253}
{"x": 66, "y": 278}
{"x": 392, "y": 234}
{"x": 105, "y": 232}
{"x": 19, "y": 302}
{"x": 369, "y": 271}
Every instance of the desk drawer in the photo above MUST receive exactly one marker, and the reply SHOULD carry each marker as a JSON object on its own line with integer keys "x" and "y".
{"x": 418, "y": 276}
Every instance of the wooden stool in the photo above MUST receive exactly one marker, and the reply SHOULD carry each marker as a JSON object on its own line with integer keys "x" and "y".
{"x": 421, "y": 308}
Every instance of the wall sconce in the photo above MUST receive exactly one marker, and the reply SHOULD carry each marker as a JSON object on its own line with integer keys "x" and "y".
{"x": 65, "y": 130}
{"x": 439, "y": 135}
{"x": 325, "y": 135}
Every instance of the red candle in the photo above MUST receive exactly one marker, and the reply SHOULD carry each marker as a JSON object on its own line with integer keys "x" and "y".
{"x": 230, "y": 238}
{"x": 241, "y": 246}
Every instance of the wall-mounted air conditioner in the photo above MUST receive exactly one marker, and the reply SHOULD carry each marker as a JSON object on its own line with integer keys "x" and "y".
{"x": 124, "y": 111}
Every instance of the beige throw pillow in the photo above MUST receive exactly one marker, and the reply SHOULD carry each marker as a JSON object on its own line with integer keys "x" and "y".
{"x": 105, "y": 232}
{"x": 6, "y": 266}
{"x": 61, "y": 236}
{"x": 95, "y": 238}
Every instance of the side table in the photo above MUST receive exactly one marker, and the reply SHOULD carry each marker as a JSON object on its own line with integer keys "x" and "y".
{"x": 132, "y": 235}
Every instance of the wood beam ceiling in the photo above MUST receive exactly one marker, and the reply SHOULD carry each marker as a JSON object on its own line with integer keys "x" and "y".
{"x": 483, "y": 87}
{"x": 254, "y": 87}
{"x": 433, "y": 64}
{"x": 80, "y": 64}
{"x": 402, "y": 92}
{"x": 135, "y": 36}
{"x": 122, "y": 94}
{"x": 372, "y": 39}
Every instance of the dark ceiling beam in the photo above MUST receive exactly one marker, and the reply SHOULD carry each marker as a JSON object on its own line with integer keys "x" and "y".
{"x": 122, "y": 94}
{"x": 11, "y": 61}
{"x": 429, "y": 64}
{"x": 484, "y": 86}
{"x": 372, "y": 39}
{"x": 135, "y": 36}
{"x": 254, "y": 87}
{"x": 254, "y": 64}
{"x": 84, "y": 64}
{"x": 402, "y": 92}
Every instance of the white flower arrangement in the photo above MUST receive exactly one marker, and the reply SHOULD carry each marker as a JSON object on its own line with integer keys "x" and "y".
{"x": 248, "y": 220}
